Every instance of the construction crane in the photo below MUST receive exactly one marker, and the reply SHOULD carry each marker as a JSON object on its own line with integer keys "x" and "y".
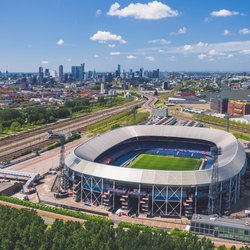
{"x": 214, "y": 192}
{"x": 61, "y": 185}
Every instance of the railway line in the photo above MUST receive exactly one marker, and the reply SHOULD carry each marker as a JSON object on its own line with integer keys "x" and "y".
{"x": 29, "y": 140}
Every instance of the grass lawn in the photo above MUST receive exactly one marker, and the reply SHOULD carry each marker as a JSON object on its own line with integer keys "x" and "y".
{"x": 160, "y": 162}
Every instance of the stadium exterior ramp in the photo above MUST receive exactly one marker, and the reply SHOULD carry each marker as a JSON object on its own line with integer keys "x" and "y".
{"x": 166, "y": 193}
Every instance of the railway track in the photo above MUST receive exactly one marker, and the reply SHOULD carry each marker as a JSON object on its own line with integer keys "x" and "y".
{"x": 10, "y": 147}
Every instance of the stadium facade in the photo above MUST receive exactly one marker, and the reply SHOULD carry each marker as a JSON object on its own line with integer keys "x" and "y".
{"x": 99, "y": 174}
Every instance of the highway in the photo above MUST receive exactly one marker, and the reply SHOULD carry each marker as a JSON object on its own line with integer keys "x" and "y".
{"x": 150, "y": 103}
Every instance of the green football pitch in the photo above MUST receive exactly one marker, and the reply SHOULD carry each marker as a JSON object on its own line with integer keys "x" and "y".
{"x": 160, "y": 162}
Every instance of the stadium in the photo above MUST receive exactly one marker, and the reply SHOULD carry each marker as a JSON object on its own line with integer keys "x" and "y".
{"x": 157, "y": 170}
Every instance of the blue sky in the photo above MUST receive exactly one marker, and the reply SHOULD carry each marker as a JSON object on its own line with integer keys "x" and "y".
{"x": 173, "y": 35}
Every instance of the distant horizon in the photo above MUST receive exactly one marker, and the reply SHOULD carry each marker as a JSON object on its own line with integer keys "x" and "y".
{"x": 103, "y": 72}
{"x": 166, "y": 34}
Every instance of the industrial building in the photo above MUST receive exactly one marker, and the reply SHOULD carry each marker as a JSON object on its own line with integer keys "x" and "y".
{"x": 213, "y": 226}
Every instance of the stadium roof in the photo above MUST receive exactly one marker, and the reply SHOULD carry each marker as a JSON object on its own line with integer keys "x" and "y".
{"x": 230, "y": 162}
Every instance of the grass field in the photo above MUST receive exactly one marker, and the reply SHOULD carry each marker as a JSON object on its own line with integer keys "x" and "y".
{"x": 160, "y": 162}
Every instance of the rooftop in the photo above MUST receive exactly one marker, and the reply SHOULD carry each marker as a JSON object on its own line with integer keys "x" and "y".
{"x": 220, "y": 221}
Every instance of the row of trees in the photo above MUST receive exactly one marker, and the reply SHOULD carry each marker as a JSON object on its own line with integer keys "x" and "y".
{"x": 25, "y": 230}
{"x": 223, "y": 122}
{"x": 125, "y": 118}
{"x": 15, "y": 119}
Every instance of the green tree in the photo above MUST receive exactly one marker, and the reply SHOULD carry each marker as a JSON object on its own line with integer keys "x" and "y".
{"x": 15, "y": 126}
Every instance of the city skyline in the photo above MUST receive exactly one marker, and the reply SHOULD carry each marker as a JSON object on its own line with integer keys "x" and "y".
{"x": 170, "y": 35}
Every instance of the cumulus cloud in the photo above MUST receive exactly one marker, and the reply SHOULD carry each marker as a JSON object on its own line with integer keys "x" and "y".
{"x": 104, "y": 36}
{"x": 202, "y": 44}
{"x": 131, "y": 57}
{"x": 150, "y": 58}
{"x": 111, "y": 45}
{"x": 202, "y": 56}
{"x": 161, "y": 51}
{"x": 68, "y": 60}
{"x": 98, "y": 12}
{"x": 159, "y": 41}
{"x": 60, "y": 42}
{"x": 226, "y": 32}
{"x": 96, "y": 56}
{"x": 244, "y": 31}
{"x": 224, "y": 13}
{"x": 214, "y": 52}
{"x": 230, "y": 55}
{"x": 245, "y": 52}
{"x": 44, "y": 62}
{"x": 187, "y": 47}
{"x": 213, "y": 48}
{"x": 116, "y": 53}
{"x": 180, "y": 31}
{"x": 151, "y": 11}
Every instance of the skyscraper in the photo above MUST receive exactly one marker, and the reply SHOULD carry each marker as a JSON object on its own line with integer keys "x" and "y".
{"x": 40, "y": 75}
{"x": 78, "y": 72}
{"x": 118, "y": 71}
{"x": 60, "y": 73}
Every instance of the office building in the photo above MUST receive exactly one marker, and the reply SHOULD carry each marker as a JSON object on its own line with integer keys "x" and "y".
{"x": 238, "y": 108}
{"x": 60, "y": 73}
{"x": 219, "y": 104}
{"x": 40, "y": 75}
{"x": 78, "y": 72}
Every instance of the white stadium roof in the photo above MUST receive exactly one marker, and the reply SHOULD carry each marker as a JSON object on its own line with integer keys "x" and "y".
{"x": 230, "y": 162}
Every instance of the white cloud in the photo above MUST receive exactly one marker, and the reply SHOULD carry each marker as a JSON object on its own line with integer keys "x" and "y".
{"x": 230, "y": 55}
{"x": 224, "y": 13}
{"x": 202, "y": 56}
{"x": 202, "y": 44}
{"x": 68, "y": 60}
{"x": 161, "y": 51}
{"x": 116, "y": 53}
{"x": 213, "y": 48}
{"x": 150, "y": 58}
{"x": 131, "y": 57}
{"x": 60, "y": 42}
{"x": 214, "y": 52}
{"x": 226, "y": 32}
{"x": 245, "y": 52}
{"x": 187, "y": 47}
{"x": 244, "y": 31}
{"x": 104, "y": 36}
{"x": 211, "y": 59}
{"x": 111, "y": 45}
{"x": 152, "y": 11}
{"x": 180, "y": 31}
{"x": 96, "y": 56}
{"x": 159, "y": 41}
{"x": 44, "y": 62}
{"x": 172, "y": 58}
{"x": 98, "y": 12}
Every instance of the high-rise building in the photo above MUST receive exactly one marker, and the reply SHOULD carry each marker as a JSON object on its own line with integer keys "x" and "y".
{"x": 60, "y": 73}
{"x": 103, "y": 88}
{"x": 46, "y": 72}
{"x": 156, "y": 74}
{"x": 141, "y": 72}
{"x": 40, "y": 75}
{"x": 78, "y": 72}
{"x": 119, "y": 70}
